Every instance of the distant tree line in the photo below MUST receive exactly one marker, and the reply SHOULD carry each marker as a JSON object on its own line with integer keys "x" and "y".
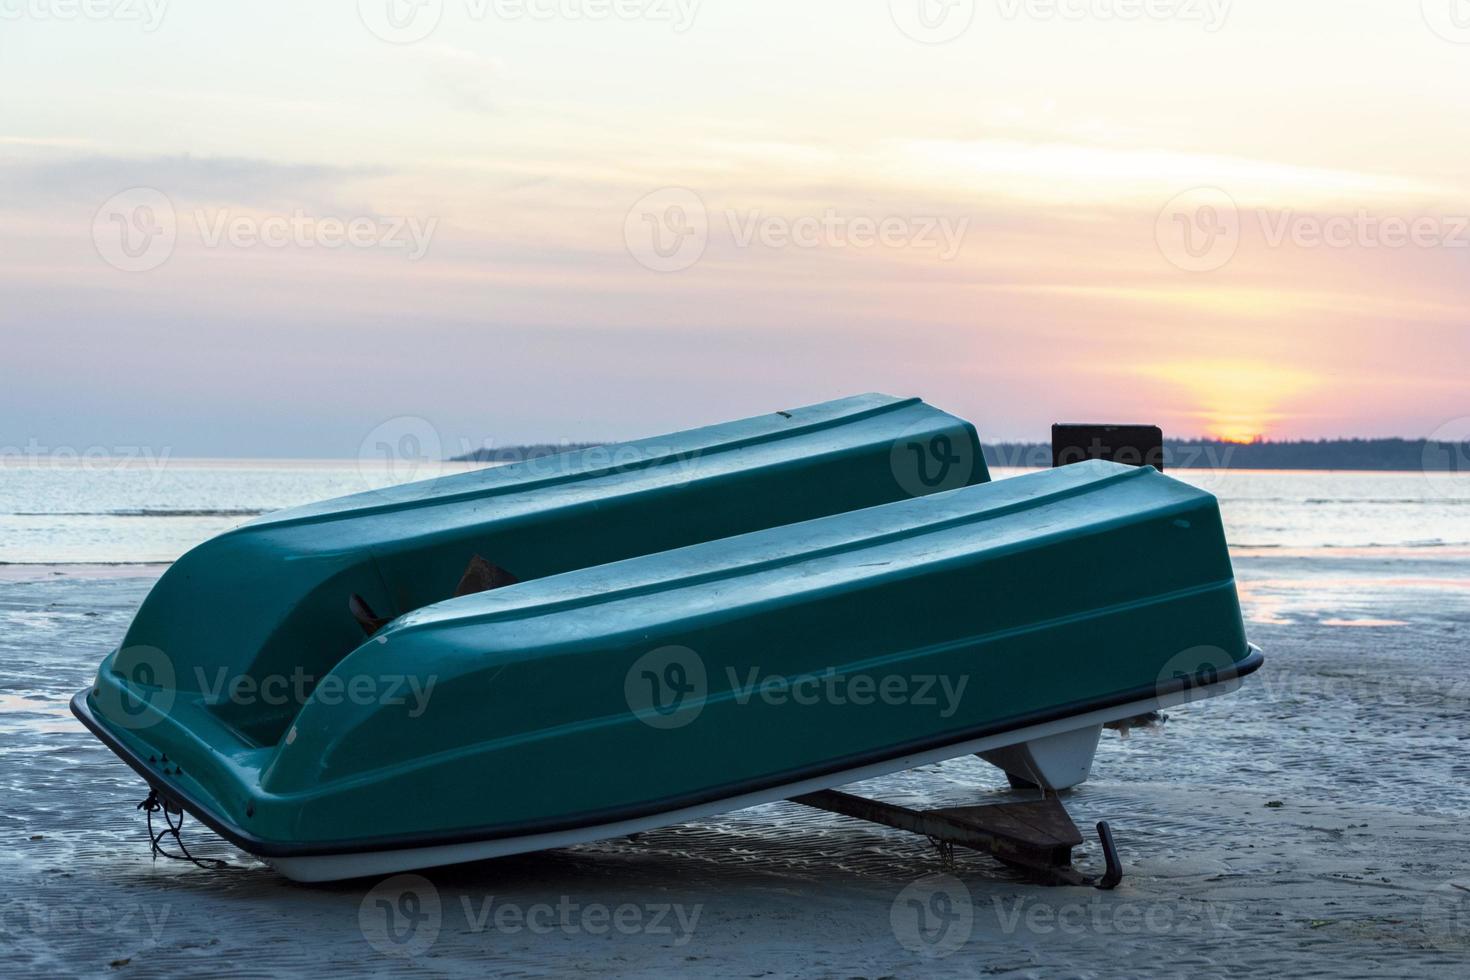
{"x": 1322, "y": 454}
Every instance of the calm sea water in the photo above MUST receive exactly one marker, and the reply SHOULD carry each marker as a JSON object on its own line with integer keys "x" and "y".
{"x": 154, "y": 511}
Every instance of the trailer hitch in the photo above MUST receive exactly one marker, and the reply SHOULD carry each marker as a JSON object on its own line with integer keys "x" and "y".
{"x": 1035, "y": 836}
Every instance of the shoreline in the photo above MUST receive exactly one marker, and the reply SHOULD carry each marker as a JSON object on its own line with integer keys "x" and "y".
{"x": 42, "y": 571}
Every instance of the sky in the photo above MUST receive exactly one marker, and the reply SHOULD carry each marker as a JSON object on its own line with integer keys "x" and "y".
{"x": 274, "y": 229}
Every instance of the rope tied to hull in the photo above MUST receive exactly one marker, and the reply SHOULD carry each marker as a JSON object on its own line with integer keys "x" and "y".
{"x": 153, "y": 804}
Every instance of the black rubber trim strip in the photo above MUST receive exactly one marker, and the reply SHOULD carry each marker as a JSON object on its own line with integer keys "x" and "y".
{"x": 269, "y": 849}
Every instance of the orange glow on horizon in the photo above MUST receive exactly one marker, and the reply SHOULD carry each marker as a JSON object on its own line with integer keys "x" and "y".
{"x": 1237, "y": 401}
{"x": 1239, "y": 435}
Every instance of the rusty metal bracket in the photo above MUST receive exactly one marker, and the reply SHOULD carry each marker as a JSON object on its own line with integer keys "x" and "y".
{"x": 1036, "y": 836}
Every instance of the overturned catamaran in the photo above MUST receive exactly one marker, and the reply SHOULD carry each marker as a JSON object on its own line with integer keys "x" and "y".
{"x": 549, "y": 653}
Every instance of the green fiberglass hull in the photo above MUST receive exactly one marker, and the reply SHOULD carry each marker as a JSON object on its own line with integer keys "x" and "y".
{"x": 637, "y": 690}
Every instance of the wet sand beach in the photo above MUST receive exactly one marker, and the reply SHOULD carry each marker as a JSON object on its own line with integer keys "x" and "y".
{"x": 1312, "y": 824}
